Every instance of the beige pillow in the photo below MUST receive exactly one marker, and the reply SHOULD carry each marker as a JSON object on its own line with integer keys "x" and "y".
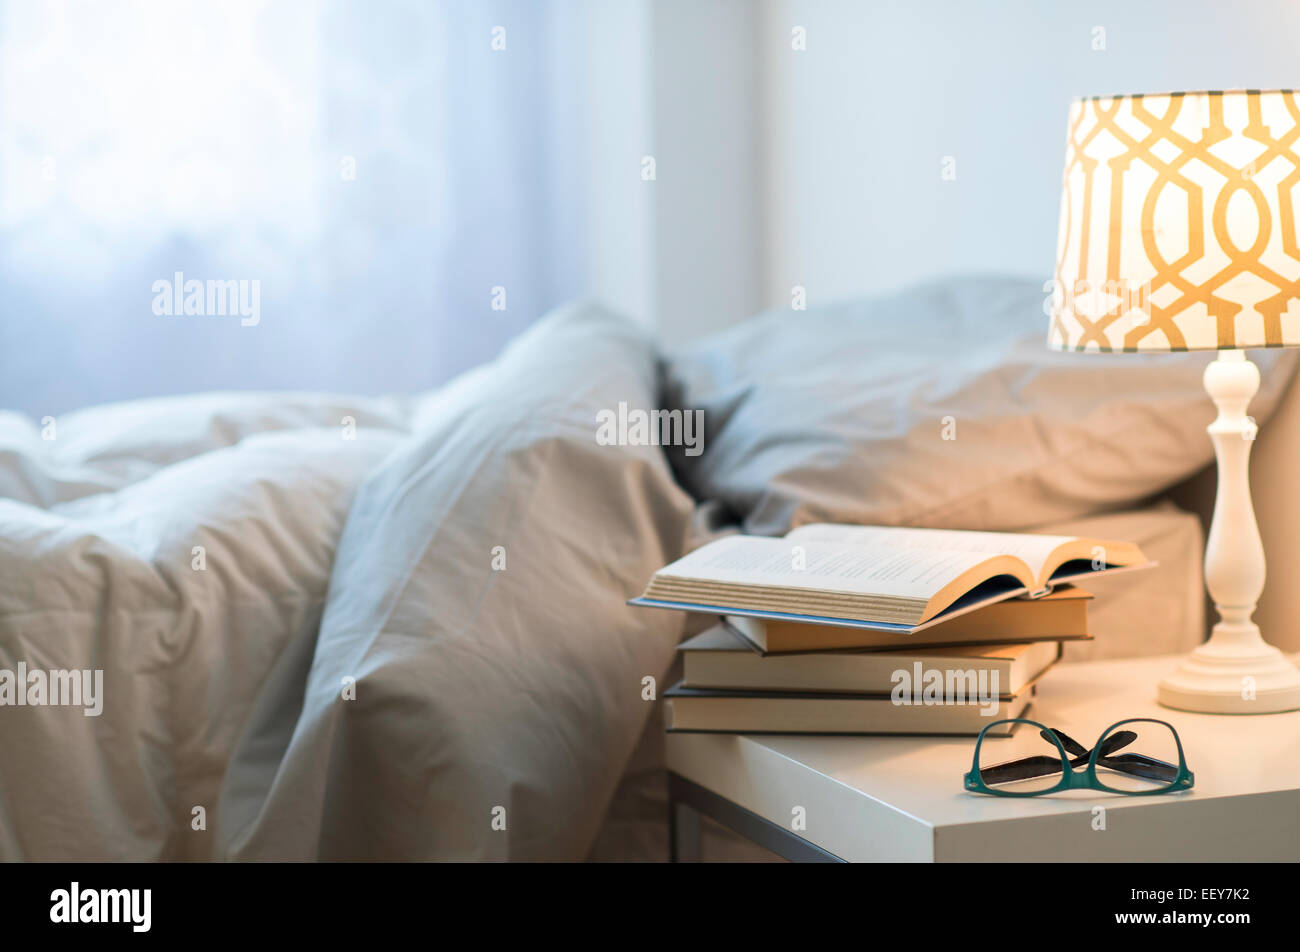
{"x": 939, "y": 406}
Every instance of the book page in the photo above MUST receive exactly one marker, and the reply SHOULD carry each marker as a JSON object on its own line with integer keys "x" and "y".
{"x": 889, "y": 571}
{"x": 1034, "y": 550}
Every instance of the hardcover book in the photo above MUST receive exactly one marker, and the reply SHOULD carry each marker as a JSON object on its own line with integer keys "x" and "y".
{"x": 1061, "y": 615}
{"x": 718, "y": 660}
{"x": 741, "y": 712}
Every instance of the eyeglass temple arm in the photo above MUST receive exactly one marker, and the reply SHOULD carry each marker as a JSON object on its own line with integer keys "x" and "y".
{"x": 1037, "y": 766}
{"x": 1041, "y": 765}
{"x": 1139, "y": 765}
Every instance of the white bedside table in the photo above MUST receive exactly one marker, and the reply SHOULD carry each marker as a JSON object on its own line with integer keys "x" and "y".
{"x": 901, "y": 799}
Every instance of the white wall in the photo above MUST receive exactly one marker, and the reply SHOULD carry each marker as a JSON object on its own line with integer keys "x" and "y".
{"x": 708, "y": 211}
{"x": 856, "y": 126}
{"x": 676, "y": 81}
{"x": 617, "y": 130}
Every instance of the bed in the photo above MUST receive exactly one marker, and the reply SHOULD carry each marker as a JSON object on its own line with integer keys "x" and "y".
{"x": 343, "y": 628}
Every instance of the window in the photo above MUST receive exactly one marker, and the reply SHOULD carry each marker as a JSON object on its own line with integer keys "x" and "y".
{"x": 378, "y": 168}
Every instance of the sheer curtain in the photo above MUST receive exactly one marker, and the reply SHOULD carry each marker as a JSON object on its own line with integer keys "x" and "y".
{"x": 400, "y": 178}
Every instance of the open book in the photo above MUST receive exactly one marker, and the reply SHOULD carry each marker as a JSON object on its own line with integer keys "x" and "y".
{"x": 877, "y": 577}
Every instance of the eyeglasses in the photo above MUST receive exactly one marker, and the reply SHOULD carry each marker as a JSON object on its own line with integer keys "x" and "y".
{"x": 1049, "y": 756}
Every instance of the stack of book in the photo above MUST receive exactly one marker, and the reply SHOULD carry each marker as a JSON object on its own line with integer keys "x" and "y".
{"x": 867, "y": 630}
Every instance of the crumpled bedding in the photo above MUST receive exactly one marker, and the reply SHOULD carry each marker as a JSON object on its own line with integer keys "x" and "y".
{"x": 334, "y": 628}
{"x": 177, "y": 546}
{"x": 347, "y": 628}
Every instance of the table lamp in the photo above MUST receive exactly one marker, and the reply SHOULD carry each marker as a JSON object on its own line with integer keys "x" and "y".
{"x": 1178, "y": 232}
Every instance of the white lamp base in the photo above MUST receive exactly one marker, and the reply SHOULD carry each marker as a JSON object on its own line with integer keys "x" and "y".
{"x": 1236, "y": 671}
{"x": 1235, "y": 681}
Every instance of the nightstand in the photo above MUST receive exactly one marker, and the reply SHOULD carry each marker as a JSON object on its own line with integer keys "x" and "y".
{"x": 865, "y": 799}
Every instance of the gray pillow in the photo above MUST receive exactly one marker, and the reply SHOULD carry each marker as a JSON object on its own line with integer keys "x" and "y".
{"x": 478, "y": 600}
{"x": 938, "y": 406}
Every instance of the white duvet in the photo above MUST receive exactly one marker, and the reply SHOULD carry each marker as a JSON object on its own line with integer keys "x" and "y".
{"x": 332, "y": 628}
{"x": 175, "y": 546}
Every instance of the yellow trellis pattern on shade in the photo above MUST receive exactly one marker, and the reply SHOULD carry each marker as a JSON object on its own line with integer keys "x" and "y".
{"x": 1178, "y": 224}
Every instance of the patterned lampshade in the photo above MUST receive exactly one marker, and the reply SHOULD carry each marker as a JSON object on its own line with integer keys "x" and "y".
{"x": 1178, "y": 223}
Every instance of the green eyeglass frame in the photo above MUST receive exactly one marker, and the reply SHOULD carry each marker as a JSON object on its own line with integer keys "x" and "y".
{"x": 1174, "y": 778}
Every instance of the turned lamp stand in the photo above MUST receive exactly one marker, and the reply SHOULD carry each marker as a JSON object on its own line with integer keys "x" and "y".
{"x": 1236, "y": 671}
